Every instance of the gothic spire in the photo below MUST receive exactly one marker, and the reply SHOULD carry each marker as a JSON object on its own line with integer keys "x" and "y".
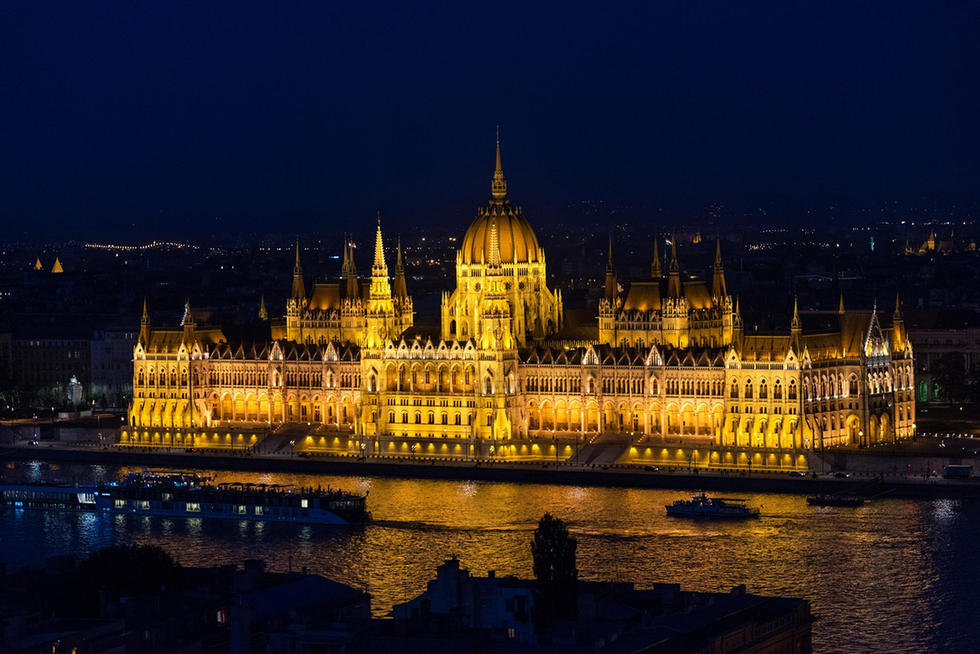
{"x": 674, "y": 277}
{"x": 188, "y": 319}
{"x": 379, "y": 267}
{"x": 655, "y": 271}
{"x": 401, "y": 289}
{"x": 718, "y": 286}
{"x": 612, "y": 285}
{"x": 263, "y": 314}
{"x": 146, "y": 314}
{"x": 897, "y": 315}
{"x": 299, "y": 289}
{"x": 795, "y": 324}
{"x": 498, "y": 188}
{"x": 840, "y": 305}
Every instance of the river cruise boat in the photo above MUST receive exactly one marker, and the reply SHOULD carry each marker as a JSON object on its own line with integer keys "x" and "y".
{"x": 702, "y": 506}
{"x": 190, "y": 496}
{"x": 835, "y": 499}
{"x": 178, "y": 496}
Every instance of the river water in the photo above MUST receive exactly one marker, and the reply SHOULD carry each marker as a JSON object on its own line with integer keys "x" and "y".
{"x": 896, "y": 575}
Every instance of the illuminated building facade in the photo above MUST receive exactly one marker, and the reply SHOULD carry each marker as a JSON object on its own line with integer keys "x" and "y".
{"x": 670, "y": 376}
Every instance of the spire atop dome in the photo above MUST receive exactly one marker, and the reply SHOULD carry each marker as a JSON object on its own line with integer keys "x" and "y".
{"x": 146, "y": 314}
{"x": 263, "y": 313}
{"x": 498, "y": 188}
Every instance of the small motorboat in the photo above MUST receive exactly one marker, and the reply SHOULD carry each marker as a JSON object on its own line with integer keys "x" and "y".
{"x": 836, "y": 499}
{"x": 702, "y": 506}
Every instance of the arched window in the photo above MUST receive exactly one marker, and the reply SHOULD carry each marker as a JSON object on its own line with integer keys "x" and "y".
{"x": 489, "y": 386}
{"x": 852, "y": 386}
{"x": 763, "y": 390}
{"x": 391, "y": 416}
{"x": 734, "y": 393}
{"x": 792, "y": 389}
{"x": 777, "y": 391}
{"x": 405, "y": 417}
{"x": 748, "y": 389}
{"x": 432, "y": 418}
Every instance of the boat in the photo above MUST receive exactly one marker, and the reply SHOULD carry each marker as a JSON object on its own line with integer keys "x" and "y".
{"x": 184, "y": 496}
{"x": 835, "y": 499}
{"x": 702, "y": 506}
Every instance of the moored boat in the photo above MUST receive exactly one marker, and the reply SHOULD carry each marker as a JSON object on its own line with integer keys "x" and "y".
{"x": 702, "y": 506}
{"x": 183, "y": 496}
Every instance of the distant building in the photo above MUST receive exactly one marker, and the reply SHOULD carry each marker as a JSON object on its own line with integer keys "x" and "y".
{"x": 936, "y": 334}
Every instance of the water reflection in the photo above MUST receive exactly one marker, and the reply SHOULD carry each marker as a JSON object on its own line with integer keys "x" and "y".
{"x": 865, "y": 570}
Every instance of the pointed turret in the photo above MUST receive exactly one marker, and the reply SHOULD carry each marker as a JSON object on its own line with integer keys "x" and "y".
{"x": 263, "y": 314}
{"x": 351, "y": 288}
{"x": 612, "y": 286}
{"x": 299, "y": 289}
{"x": 144, "y": 337}
{"x": 840, "y": 305}
{"x": 379, "y": 267}
{"x": 898, "y": 326}
{"x": 795, "y": 323}
{"x": 498, "y": 187}
{"x": 188, "y": 319}
{"x": 56, "y": 268}
{"x": 37, "y": 264}
{"x": 187, "y": 322}
{"x": 737, "y": 324}
{"x": 655, "y": 270}
{"x": 718, "y": 287}
{"x": 674, "y": 273}
{"x": 401, "y": 289}
{"x": 380, "y": 287}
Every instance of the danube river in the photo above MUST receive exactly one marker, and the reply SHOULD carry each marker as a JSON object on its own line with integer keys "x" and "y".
{"x": 896, "y": 575}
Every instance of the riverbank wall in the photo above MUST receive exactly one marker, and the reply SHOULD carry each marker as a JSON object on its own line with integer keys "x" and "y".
{"x": 531, "y": 473}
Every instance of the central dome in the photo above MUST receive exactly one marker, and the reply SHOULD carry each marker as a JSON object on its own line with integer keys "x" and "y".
{"x": 517, "y": 240}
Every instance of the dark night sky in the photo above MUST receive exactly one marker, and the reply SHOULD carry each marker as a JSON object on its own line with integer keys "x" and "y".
{"x": 302, "y": 116}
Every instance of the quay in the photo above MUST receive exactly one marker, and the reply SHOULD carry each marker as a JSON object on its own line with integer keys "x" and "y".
{"x": 621, "y": 475}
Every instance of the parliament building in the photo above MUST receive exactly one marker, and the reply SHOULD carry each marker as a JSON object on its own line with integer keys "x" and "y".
{"x": 668, "y": 376}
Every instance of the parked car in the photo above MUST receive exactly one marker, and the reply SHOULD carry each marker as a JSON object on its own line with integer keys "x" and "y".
{"x": 651, "y": 468}
{"x": 796, "y": 473}
{"x": 842, "y": 475}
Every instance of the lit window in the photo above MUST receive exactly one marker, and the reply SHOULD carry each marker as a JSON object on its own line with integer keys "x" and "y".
{"x": 304, "y": 503}
{"x": 193, "y": 507}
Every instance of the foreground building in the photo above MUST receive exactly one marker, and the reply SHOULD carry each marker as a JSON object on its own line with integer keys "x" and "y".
{"x": 670, "y": 374}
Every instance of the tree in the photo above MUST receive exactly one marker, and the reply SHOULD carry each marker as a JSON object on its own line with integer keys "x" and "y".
{"x": 553, "y": 552}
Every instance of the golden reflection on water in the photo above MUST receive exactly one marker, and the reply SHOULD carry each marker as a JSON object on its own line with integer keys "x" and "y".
{"x": 872, "y": 566}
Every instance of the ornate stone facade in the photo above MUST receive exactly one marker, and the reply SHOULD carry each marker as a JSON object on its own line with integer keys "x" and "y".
{"x": 669, "y": 377}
